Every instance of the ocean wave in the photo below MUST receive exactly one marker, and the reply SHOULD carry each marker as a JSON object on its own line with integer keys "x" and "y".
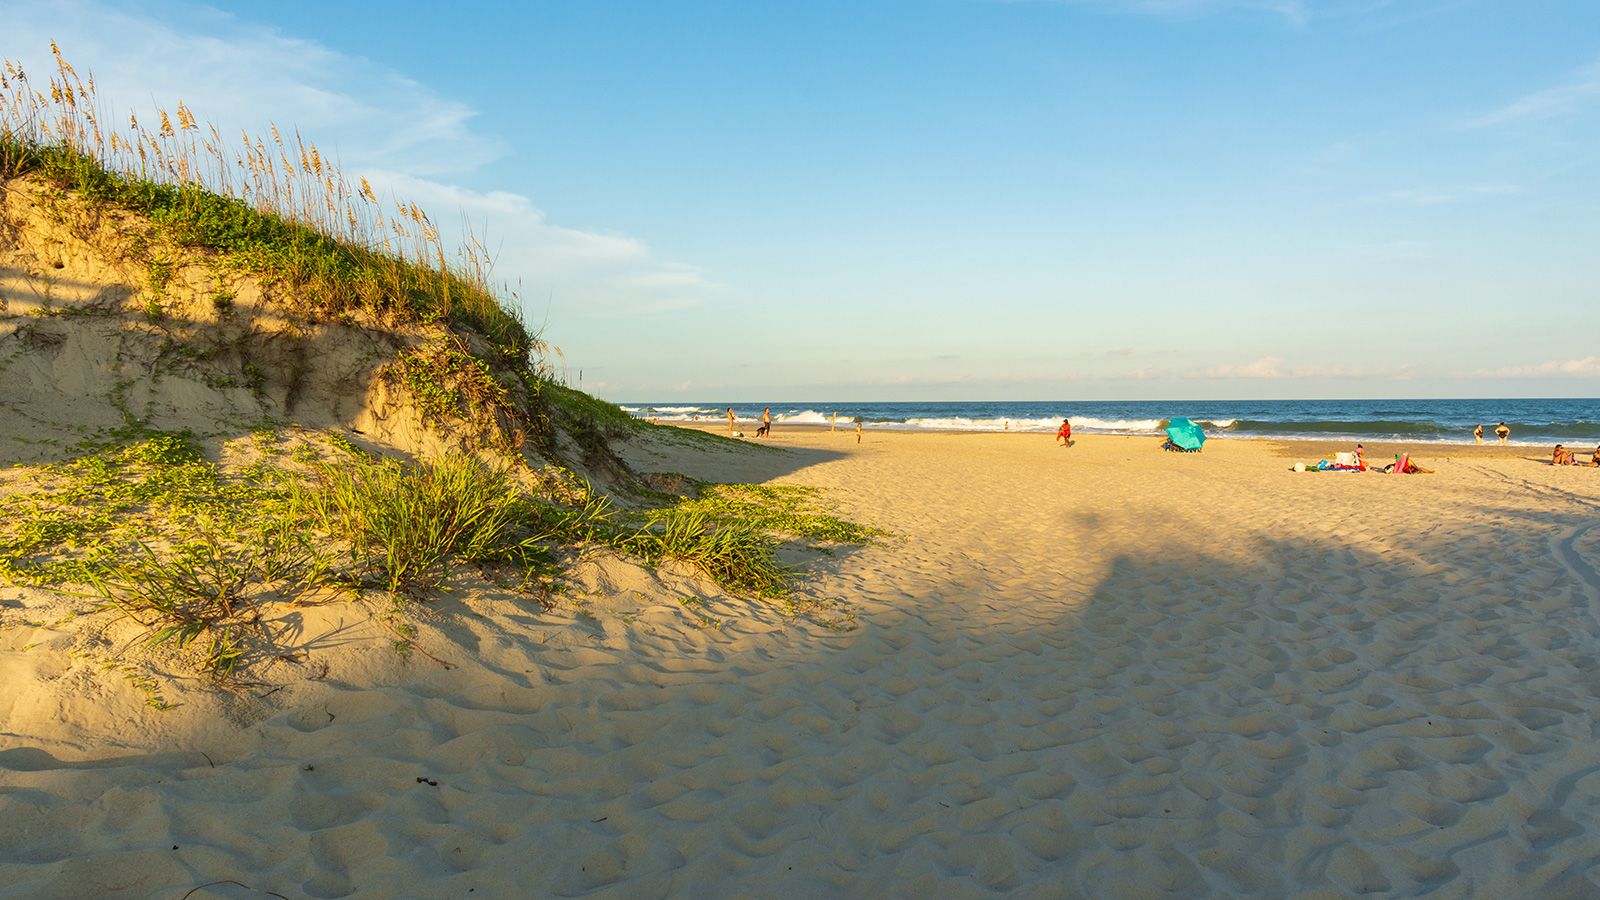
{"x": 687, "y": 417}
{"x": 1118, "y": 426}
{"x": 1044, "y": 424}
{"x": 958, "y": 423}
{"x": 804, "y": 417}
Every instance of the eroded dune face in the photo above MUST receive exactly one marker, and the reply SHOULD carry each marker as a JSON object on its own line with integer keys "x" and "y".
{"x": 102, "y": 323}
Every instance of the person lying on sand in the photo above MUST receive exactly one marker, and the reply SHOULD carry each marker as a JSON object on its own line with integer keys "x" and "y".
{"x": 1403, "y": 465}
{"x": 1562, "y": 457}
{"x": 1595, "y": 459}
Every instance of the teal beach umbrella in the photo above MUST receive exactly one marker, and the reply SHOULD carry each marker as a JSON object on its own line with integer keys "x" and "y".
{"x": 1185, "y": 434}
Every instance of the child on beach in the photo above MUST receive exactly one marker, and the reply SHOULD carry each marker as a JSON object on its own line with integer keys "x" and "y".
{"x": 1064, "y": 433}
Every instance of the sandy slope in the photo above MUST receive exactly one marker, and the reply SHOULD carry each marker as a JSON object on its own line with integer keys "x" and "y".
{"x": 1104, "y": 671}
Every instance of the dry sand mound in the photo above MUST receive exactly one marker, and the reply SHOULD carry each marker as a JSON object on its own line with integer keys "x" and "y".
{"x": 102, "y": 324}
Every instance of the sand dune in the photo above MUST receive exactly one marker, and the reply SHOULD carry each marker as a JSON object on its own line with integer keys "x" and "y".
{"x": 1104, "y": 671}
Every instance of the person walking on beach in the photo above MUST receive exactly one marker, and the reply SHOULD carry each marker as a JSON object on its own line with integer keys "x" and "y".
{"x": 1064, "y": 433}
{"x": 858, "y": 429}
{"x": 1502, "y": 431}
{"x": 766, "y": 423}
{"x": 1477, "y": 433}
{"x": 833, "y": 421}
{"x": 730, "y": 421}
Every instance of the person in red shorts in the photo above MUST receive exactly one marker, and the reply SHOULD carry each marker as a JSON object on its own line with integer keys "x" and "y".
{"x": 1064, "y": 433}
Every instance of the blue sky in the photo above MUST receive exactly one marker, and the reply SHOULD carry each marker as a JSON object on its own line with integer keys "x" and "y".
{"x": 959, "y": 199}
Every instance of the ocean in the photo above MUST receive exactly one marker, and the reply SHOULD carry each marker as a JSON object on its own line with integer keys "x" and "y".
{"x": 1532, "y": 422}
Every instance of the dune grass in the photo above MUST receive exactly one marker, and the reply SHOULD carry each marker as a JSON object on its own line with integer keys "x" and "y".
{"x": 201, "y": 559}
{"x": 273, "y": 205}
{"x": 404, "y": 524}
{"x": 786, "y": 509}
{"x": 737, "y": 556}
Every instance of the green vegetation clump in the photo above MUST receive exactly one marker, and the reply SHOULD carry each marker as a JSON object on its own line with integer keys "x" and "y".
{"x": 403, "y": 524}
{"x": 202, "y": 595}
{"x": 784, "y": 508}
{"x": 137, "y": 486}
{"x": 450, "y": 384}
{"x": 735, "y": 555}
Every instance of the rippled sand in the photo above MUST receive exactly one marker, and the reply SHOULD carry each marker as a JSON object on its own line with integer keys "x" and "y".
{"x": 1105, "y": 671}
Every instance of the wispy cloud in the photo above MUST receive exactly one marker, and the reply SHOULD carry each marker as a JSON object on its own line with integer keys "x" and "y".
{"x": 1298, "y": 13}
{"x": 1575, "y": 94}
{"x": 1295, "y": 11}
{"x": 1587, "y": 367}
{"x": 1442, "y": 196}
{"x": 404, "y": 136}
{"x": 672, "y": 275}
{"x": 1273, "y": 367}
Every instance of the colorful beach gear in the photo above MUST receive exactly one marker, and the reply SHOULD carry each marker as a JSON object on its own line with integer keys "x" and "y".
{"x": 1185, "y": 435}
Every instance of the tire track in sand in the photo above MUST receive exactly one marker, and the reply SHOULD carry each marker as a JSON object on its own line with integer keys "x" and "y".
{"x": 1564, "y": 546}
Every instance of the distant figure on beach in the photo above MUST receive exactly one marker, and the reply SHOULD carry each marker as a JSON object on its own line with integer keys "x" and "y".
{"x": 766, "y": 423}
{"x": 858, "y": 431}
{"x": 1563, "y": 457}
{"x": 1593, "y": 460}
{"x": 1361, "y": 457}
{"x": 1502, "y": 431}
{"x": 1064, "y": 433}
{"x": 1477, "y": 433}
{"x": 833, "y": 421}
{"x": 730, "y": 421}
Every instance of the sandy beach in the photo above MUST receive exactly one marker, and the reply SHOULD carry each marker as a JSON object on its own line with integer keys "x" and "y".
{"x": 1106, "y": 671}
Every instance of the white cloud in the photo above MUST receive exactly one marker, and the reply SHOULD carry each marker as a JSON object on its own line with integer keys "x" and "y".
{"x": 377, "y": 123}
{"x": 1587, "y": 367}
{"x": 1579, "y": 91}
{"x": 518, "y": 229}
{"x": 238, "y": 75}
